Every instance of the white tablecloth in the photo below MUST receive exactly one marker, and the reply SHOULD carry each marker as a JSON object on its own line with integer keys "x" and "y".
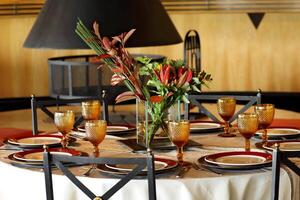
{"x": 18, "y": 183}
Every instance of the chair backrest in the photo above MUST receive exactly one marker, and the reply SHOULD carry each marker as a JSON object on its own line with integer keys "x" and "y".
{"x": 43, "y": 104}
{"x": 192, "y": 50}
{"x": 59, "y": 160}
{"x": 198, "y": 99}
{"x": 282, "y": 157}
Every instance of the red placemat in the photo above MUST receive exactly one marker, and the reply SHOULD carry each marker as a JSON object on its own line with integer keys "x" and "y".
{"x": 6, "y": 133}
{"x": 286, "y": 123}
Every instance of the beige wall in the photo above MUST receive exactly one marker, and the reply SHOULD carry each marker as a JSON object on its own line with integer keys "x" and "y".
{"x": 238, "y": 56}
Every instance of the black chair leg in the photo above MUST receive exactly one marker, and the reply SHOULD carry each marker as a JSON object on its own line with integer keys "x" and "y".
{"x": 275, "y": 174}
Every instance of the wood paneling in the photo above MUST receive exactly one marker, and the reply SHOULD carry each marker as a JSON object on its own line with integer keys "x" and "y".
{"x": 223, "y": 6}
{"x": 20, "y": 7}
{"x": 230, "y": 6}
{"x": 22, "y": 1}
{"x": 241, "y": 57}
{"x": 238, "y": 56}
{"x": 23, "y": 71}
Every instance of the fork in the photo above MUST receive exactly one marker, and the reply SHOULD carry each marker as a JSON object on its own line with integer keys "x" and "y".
{"x": 88, "y": 172}
{"x": 200, "y": 168}
{"x": 183, "y": 170}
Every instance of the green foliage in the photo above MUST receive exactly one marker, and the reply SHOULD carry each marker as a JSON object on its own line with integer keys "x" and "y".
{"x": 159, "y": 84}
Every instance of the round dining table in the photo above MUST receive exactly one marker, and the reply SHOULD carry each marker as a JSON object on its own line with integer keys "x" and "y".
{"x": 28, "y": 183}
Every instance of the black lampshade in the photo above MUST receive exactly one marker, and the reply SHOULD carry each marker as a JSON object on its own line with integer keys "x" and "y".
{"x": 55, "y": 25}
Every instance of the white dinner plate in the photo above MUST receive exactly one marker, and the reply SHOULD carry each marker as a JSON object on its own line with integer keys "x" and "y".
{"x": 280, "y": 132}
{"x": 161, "y": 164}
{"x": 289, "y": 145}
{"x": 241, "y": 158}
{"x": 114, "y": 129}
{"x": 35, "y": 141}
{"x": 205, "y": 126}
{"x": 127, "y": 167}
{"x": 37, "y": 155}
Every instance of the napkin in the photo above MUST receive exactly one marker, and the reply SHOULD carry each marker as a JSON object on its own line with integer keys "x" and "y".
{"x": 286, "y": 123}
{"x": 6, "y": 133}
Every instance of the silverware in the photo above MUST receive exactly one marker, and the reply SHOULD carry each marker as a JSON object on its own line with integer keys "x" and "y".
{"x": 9, "y": 149}
{"x": 200, "y": 168}
{"x": 183, "y": 170}
{"x": 88, "y": 172}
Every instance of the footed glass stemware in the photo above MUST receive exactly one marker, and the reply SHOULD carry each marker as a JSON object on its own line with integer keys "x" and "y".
{"x": 90, "y": 110}
{"x": 265, "y": 113}
{"x": 179, "y": 132}
{"x": 247, "y": 125}
{"x": 226, "y": 108}
{"x": 95, "y": 134}
{"x": 64, "y": 121}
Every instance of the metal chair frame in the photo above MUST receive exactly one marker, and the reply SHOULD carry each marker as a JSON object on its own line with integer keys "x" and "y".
{"x": 43, "y": 104}
{"x": 192, "y": 50}
{"x": 59, "y": 160}
{"x": 282, "y": 157}
{"x": 196, "y": 100}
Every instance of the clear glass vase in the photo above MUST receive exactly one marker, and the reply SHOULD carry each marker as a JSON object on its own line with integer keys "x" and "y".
{"x": 152, "y": 122}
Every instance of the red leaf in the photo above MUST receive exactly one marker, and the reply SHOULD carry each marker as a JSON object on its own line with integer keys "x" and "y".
{"x": 182, "y": 80}
{"x": 95, "y": 59}
{"x": 125, "y": 96}
{"x": 96, "y": 29}
{"x": 101, "y": 65}
{"x": 167, "y": 75}
{"x": 106, "y": 43}
{"x": 169, "y": 94}
{"x": 116, "y": 79}
{"x": 114, "y": 42}
{"x": 189, "y": 75}
{"x": 103, "y": 56}
{"x": 156, "y": 73}
{"x": 162, "y": 74}
{"x": 117, "y": 70}
{"x": 117, "y": 38}
{"x": 156, "y": 99}
{"x": 127, "y": 36}
{"x": 180, "y": 71}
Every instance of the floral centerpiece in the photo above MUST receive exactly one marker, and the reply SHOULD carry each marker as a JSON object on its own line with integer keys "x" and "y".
{"x": 163, "y": 83}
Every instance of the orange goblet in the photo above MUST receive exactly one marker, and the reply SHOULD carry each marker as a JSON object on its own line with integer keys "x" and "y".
{"x": 226, "y": 108}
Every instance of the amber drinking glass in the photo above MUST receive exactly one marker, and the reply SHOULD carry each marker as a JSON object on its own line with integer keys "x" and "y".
{"x": 64, "y": 121}
{"x": 90, "y": 110}
{"x": 265, "y": 113}
{"x": 247, "y": 125}
{"x": 179, "y": 132}
{"x": 95, "y": 133}
{"x": 226, "y": 108}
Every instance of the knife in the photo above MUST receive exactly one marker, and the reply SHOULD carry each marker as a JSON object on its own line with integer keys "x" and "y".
{"x": 183, "y": 170}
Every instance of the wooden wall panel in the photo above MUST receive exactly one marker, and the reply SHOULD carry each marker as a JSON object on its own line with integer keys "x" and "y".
{"x": 238, "y": 56}
{"x": 230, "y": 6}
{"x": 23, "y": 71}
{"x": 243, "y": 58}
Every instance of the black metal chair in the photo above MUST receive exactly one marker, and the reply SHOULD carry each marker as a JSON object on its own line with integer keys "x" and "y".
{"x": 192, "y": 50}
{"x": 43, "y": 104}
{"x": 198, "y": 99}
{"x": 59, "y": 160}
{"x": 282, "y": 157}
